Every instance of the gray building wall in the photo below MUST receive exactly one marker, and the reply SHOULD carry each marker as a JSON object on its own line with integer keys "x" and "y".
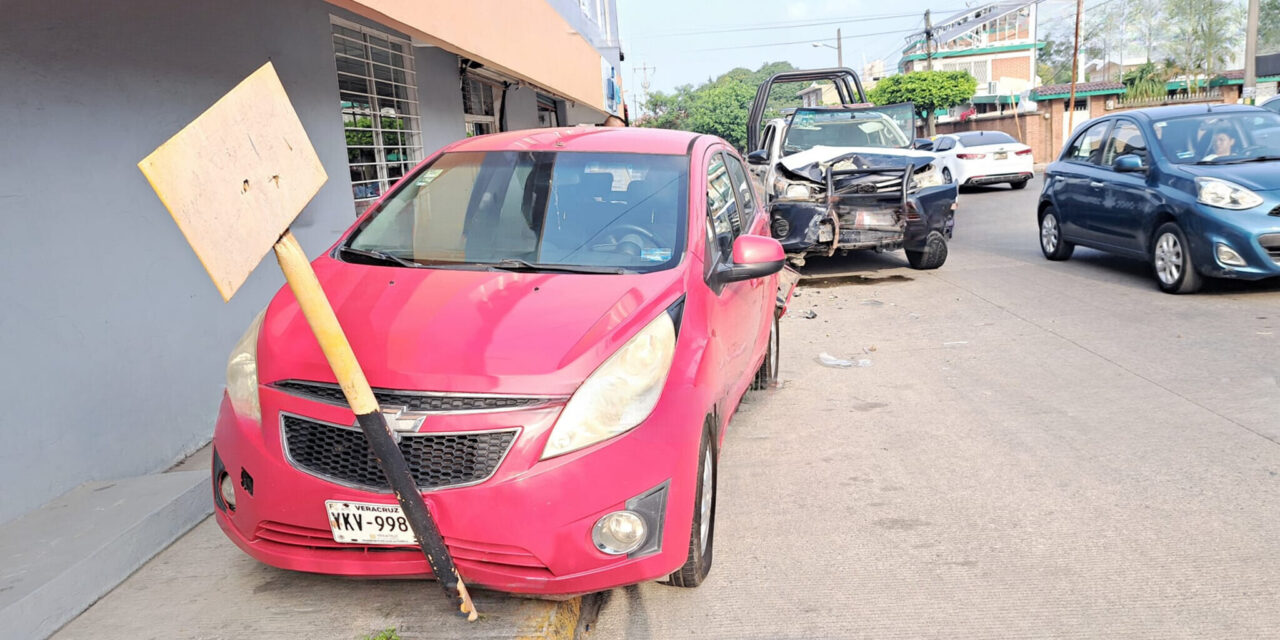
{"x": 112, "y": 338}
{"x": 439, "y": 98}
{"x": 522, "y": 108}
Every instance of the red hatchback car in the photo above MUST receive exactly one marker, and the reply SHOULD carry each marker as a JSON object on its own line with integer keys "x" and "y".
{"x": 558, "y": 325}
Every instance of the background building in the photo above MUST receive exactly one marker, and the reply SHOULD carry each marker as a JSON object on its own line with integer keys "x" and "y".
{"x": 996, "y": 43}
{"x": 114, "y": 341}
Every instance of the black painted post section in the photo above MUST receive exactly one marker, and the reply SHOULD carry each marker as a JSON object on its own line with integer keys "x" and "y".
{"x": 387, "y": 452}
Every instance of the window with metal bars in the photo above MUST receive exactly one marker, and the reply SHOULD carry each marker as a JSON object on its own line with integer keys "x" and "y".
{"x": 480, "y": 105}
{"x": 378, "y": 96}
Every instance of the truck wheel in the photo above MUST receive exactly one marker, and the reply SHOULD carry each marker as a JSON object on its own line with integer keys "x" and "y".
{"x": 933, "y": 255}
{"x": 702, "y": 534}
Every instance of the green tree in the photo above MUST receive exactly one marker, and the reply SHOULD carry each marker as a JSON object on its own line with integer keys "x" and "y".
{"x": 1147, "y": 81}
{"x": 1206, "y": 33}
{"x": 721, "y": 106}
{"x": 1269, "y": 26}
{"x": 1055, "y": 59}
{"x": 928, "y": 90}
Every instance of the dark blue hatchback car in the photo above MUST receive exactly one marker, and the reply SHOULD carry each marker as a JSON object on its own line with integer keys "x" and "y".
{"x": 1193, "y": 189}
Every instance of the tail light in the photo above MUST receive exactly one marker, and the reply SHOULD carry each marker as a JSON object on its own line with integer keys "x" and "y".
{"x": 1024, "y": 152}
{"x": 971, "y": 156}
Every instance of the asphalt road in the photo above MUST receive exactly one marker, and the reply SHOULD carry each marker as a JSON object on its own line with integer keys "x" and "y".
{"x": 1036, "y": 450}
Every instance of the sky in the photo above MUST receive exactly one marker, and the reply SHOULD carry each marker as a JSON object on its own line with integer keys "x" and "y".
{"x": 690, "y": 41}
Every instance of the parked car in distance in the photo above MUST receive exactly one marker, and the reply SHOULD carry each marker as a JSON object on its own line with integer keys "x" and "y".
{"x": 1271, "y": 104}
{"x": 559, "y": 325}
{"x": 984, "y": 157}
{"x": 1193, "y": 189}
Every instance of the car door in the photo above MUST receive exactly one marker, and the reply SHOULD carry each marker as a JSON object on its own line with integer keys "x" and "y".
{"x": 1127, "y": 200}
{"x": 761, "y": 171}
{"x": 734, "y": 302}
{"x": 754, "y": 222}
{"x": 1077, "y": 185}
{"x": 945, "y": 148}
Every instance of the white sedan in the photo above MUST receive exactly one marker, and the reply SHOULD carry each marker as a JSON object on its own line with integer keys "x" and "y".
{"x": 983, "y": 157}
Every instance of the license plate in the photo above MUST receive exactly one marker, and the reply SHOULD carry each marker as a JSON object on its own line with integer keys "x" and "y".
{"x": 1002, "y": 155}
{"x": 875, "y": 219}
{"x": 365, "y": 523}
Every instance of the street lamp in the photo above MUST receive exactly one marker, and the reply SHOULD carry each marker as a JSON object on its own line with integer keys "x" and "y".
{"x": 839, "y": 47}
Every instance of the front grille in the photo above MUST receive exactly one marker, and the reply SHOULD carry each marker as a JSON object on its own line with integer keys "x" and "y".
{"x": 1271, "y": 244}
{"x": 436, "y": 460}
{"x": 423, "y": 401}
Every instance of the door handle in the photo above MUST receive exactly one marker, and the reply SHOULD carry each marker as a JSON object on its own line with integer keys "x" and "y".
{"x": 1097, "y": 185}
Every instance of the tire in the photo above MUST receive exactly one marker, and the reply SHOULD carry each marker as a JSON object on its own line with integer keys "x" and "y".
{"x": 933, "y": 254}
{"x": 767, "y": 374}
{"x": 1020, "y": 184}
{"x": 1171, "y": 261}
{"x": 1051, "y": 242}
{"x": 697, "y": 563}
{"x": 946, "y": 175}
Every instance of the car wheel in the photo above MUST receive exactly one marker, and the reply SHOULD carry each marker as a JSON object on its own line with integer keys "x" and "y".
{"x": 946, "y": 175}
{"x": 768, "y": 372}
{"x": 1171, "y": 260}
{"x": 1051, "y": 242}
{"x": 1020, "y": 184}
{"x": 697, "y": 563}
{"x": 933, "y": 255}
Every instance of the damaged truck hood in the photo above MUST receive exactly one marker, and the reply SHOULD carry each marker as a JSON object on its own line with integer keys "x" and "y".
{"x": 810, "y": 164}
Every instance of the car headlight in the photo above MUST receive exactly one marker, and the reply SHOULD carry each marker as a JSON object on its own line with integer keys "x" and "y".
{"x": 242, "y": 372}
{"x": 1225, "y": 195}
{"x": 930, "y": 176}
{"x": 619, "y": 394}
{"x": 783, "y": 188}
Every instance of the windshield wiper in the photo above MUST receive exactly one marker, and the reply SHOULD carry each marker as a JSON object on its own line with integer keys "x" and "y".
{"x": 381, "y": 256}
{"x": 1254, "y": 159}
{"x": 518, "y": 265}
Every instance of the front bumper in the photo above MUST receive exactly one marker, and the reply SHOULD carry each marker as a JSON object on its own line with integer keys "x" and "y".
{"x": 808, "y": 226}
{"x": 527, "y": 529}
{"x": 1253, "y": 235}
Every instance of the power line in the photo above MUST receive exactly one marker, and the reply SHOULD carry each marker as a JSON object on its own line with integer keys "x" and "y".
{"x": 811, "y": 40}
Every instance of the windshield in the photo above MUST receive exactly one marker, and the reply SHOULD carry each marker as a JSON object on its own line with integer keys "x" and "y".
{"x": 615, "y": 210}
{"x": 872, "y": 127}
{"x": 1220, "y": 138}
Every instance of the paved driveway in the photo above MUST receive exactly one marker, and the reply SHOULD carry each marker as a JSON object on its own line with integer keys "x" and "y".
{"x": 1037, "y": 450}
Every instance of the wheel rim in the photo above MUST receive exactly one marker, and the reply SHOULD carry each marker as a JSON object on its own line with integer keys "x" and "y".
{"x": 946, "y": 176}
{"x": 704, "y": 506}
{"x": 1049, "y": 233}
{"x": 1169, "y": 258}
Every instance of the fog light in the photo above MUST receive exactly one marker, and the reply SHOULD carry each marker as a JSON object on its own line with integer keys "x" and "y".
{"x": 781, "y": 228}
{"x": 619, "y": 533}
{"x": 228, "y": 489}
{"x": 1228, "y": 256}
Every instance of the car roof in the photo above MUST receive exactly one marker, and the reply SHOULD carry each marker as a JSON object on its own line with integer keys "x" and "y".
{"x": 598, "y": 139}
{"x": 1175, "y": 111}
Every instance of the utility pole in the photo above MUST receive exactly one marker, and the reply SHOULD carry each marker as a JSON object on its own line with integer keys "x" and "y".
{"x": 644, "y": 84}
{"x": 1075, "y": 66}
{"x": 928, "y": 40}
{"x": 840, "y": 49}
{"x": 1250, "y": 89}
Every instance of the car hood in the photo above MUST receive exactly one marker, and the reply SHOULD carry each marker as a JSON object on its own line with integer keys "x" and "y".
{"x": 1257, "y": 176}
{"x": 466, "y": 331}
{"x": 810, "y": 163}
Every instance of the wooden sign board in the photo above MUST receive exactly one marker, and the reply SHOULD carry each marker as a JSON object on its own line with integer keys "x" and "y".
{"x": 237, "y": 176}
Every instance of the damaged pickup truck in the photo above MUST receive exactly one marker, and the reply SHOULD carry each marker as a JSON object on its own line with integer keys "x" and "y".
{"x": 845, "y": 178}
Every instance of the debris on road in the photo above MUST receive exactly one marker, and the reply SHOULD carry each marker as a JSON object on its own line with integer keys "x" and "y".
{"x": 828, "y": 360}
{"x": 808, "y": 314}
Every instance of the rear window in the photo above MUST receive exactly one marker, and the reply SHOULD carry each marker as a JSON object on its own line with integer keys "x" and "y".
{"x": 981, "y": 138}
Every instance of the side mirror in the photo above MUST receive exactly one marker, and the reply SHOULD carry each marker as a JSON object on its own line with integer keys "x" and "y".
{"x": 923, "y": 144}
{"x": 753, "y": 257}
{"x": 759, "y": 156}
{"x": 1130, "y": 163}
